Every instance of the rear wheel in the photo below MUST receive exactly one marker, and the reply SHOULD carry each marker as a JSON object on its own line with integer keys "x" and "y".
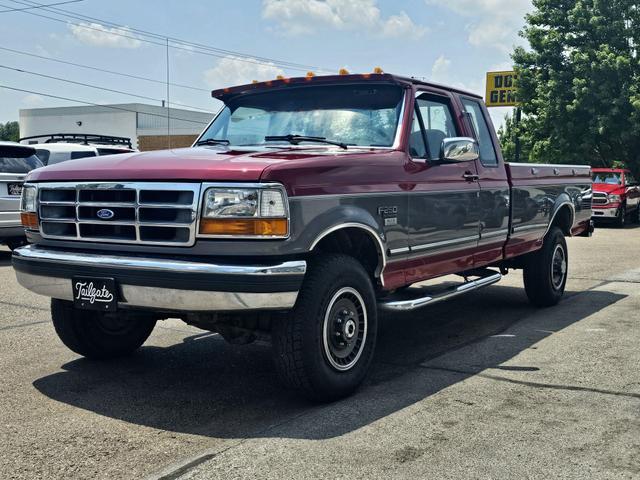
{"x": 97, "y": 335}
{"x": 545, "y": 271}
{"x": 324, "y": 347}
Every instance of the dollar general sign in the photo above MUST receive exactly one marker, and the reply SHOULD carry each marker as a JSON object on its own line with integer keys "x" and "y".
{"x": 501, "y": 89}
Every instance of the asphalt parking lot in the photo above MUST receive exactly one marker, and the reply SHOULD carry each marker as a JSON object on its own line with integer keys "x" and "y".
{"x": 483, "y": 386}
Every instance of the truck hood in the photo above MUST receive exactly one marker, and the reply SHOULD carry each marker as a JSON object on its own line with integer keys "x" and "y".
{"x": 608, "y": 188}
{"x": 184, "y": 164}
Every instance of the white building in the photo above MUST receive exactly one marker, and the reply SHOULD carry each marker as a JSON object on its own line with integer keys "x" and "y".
{"x": 146, "y": 125}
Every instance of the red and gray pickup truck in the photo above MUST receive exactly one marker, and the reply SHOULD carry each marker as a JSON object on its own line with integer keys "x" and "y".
{"x": 306, "y": 206}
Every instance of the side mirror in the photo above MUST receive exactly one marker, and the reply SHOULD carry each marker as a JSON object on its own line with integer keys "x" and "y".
{"x": 459, "y": 149}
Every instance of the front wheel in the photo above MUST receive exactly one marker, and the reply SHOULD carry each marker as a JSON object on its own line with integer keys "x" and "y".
{"x": 545, "y": 271}
{"x": 621, "y": 219}
{"x": 99, "y": 336}
{"x": 324, "y": 347}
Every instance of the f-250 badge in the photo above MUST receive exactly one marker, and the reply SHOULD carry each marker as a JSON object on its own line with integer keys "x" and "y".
{"x": 389, "y": 214}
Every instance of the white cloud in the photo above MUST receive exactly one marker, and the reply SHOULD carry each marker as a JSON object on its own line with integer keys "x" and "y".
{"x": 98, "y": 35}
{"x": 440, "y": 69}
{"x": 33, "y": 100}
{"x": 238, "y": 71}
{"x": 493, "y": 23}
{"x": 295, "y": 17}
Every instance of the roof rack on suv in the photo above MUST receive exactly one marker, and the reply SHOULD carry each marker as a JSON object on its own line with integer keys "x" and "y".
{"x": 84, "y": 138}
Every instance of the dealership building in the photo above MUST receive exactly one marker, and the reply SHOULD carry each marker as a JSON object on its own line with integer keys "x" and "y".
{"x": 145, "y": 125}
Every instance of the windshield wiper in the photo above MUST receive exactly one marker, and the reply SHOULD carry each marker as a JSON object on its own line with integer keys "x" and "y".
{"x": 296, "y": 139}
{"x": 213, "y": 141}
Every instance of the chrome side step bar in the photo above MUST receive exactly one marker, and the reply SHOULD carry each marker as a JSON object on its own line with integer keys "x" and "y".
{"x": 414, "y": 303}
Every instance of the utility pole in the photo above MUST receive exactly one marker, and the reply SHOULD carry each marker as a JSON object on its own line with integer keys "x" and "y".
{"x": 516, "y": 126}
{"x": 168, "y": 103}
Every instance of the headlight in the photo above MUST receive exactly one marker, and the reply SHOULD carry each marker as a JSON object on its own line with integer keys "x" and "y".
{"x": 29, "y": 194}
{"x": 28, "y": 207}
{"x": 245, "y": 212}
{"x": 613, "y": 198}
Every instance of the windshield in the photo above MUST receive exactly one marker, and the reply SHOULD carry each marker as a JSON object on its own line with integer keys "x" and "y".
{"x": 611, "y": 178}
{"x": 19, "y": 165}
{"x": 361, "y": 115}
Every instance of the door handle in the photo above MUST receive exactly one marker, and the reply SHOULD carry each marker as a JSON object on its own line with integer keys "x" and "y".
{"x": 470, "y": 177}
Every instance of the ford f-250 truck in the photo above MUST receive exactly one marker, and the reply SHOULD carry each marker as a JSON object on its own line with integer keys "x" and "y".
{"x": 306, "y": 205}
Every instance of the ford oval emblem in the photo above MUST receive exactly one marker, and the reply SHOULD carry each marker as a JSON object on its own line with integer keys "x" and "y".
{"x": 105, "y": 214}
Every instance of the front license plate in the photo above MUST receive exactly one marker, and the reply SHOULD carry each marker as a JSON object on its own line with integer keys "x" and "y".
{"x": 15, "y": 189}
{"x": 95, "y": 293}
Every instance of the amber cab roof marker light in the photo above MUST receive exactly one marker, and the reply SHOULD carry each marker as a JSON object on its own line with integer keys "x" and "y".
{"x": 343, "y": 71}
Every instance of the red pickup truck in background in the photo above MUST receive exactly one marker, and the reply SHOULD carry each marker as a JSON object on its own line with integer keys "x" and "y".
{"x": 307, "y": 205}
{"x": 616, "y": 196}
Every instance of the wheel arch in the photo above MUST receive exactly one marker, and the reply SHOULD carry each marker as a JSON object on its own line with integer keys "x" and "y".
{"x": 355, "y": 238}
{"x": 563, "y": 217}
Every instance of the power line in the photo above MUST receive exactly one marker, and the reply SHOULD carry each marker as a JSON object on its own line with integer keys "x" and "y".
{"x": 113, "y": 107}
{"x": 97, "y": 87}
{"x": 192, "y": 47}
{"x": 158, "y": 36}
{"x": 40, "y": 6}
{"x": 103, "y": 70}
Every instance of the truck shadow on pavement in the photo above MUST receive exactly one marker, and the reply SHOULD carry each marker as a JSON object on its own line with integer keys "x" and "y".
{"x": 204, "y": 386}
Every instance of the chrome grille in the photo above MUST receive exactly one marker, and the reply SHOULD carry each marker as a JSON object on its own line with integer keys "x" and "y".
{"x": 600, "y": 198}
{"x": 143, "y": 213}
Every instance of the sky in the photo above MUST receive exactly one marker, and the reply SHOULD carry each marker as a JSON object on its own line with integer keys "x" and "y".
{"x": 452, "y": 42}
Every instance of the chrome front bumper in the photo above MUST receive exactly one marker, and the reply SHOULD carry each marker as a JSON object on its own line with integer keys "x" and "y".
{"x": 606, "y": 212}
{"x": 164, "y": 284}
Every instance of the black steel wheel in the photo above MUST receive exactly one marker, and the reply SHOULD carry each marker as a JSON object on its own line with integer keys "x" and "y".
{"x": 545, "y": 271}
{"x": 323, "y": 348}
{"x": 99, "y": 336}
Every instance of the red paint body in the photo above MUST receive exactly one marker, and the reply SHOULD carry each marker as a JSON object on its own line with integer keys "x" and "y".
{"x": 628, "y": 191}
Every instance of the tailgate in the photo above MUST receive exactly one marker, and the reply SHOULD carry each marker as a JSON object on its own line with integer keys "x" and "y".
{"x": 10, "y": 186}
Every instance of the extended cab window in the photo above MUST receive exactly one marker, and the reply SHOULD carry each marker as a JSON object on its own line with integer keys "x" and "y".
{"x": 487, "y": 152}
{"x": 437, "y": 124}
{"x": 365, "y": 115}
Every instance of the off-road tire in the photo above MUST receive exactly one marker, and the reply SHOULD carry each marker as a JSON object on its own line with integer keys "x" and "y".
{"x": 85, "y": 333}
{"x": 15, "y": 243}
{"x": 539, "y": 283}
{"x": 299, "y": 344}
{"x": 621, "y": 219}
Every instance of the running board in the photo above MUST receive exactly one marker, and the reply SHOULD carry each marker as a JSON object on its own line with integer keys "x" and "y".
{"x": 414, "y": 303}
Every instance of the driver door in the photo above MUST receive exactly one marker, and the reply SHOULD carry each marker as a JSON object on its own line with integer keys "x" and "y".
{"x": 444, "y": 213}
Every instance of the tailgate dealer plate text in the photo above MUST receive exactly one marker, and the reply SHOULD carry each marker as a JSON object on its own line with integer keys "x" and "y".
{"x": 95, "y": 293}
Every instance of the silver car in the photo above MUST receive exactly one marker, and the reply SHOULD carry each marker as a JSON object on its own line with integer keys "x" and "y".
{"x": 15, "y": 162}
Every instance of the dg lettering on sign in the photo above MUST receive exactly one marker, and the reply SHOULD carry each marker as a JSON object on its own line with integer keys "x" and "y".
{"x": 501, "y": 89}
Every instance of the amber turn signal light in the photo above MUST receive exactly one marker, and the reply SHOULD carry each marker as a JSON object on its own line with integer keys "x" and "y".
{"x": 267, "y": 227}
{"x": 29, "y": 220}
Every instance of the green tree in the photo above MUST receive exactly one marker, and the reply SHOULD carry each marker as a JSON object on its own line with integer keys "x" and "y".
{"x": 579, "y": 83}
{"x": 9, "y": 131}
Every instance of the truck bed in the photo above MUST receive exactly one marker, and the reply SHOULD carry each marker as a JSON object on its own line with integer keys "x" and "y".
{"x": 539, "y": 190}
